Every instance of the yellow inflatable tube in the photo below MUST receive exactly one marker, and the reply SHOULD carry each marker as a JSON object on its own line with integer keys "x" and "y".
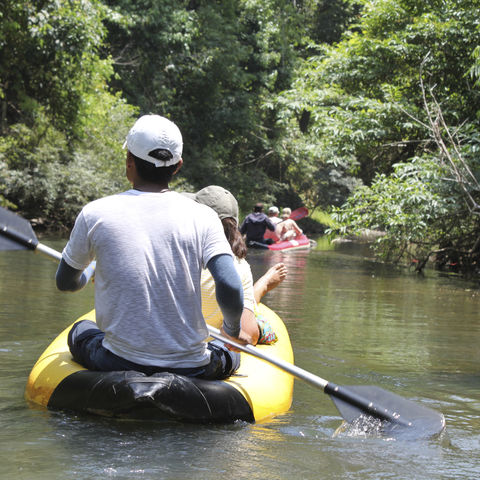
{"x": 258, "y": 391}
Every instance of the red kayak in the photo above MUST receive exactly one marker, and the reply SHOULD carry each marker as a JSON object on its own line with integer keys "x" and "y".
{"x": 301, "y": 242}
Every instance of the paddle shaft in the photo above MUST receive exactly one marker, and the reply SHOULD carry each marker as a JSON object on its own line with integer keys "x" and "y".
{"x": 21, "y": 232}
{"x": 286, "y": 366}
{"x": 49, "y": 252}
{"x": 30, "y": 242}
{"x": 343, "y": 393}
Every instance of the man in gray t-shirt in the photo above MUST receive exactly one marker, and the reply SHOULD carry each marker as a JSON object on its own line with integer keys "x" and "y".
{"x": 150, "y": 245}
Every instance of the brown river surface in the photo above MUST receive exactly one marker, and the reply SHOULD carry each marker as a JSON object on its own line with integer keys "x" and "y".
{"x": 352, "y": 321}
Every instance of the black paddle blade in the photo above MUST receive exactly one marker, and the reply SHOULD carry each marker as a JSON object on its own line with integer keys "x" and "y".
{"x": 362, "y": 403}
{"x": 16, "y": 233}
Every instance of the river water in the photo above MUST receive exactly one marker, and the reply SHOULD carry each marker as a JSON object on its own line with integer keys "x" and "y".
{"x": 352, "y": 321}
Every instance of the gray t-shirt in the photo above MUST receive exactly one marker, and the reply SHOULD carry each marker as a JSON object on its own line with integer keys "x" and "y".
{"x": 150, "y": 249}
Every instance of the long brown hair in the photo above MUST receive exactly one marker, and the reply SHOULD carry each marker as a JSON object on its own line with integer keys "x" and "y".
{"x": 234, "y": 237}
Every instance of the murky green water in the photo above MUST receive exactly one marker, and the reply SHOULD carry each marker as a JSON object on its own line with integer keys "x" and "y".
{"x": 351, "y": 321}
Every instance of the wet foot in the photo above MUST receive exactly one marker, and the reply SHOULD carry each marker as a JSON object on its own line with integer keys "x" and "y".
{"x": 275, "y": 275}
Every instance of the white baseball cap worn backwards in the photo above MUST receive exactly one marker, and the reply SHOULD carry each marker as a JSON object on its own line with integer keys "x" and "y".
{"x": 152, "y": 132}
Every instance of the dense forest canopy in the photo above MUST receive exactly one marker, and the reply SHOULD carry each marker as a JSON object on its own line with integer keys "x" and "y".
{"x": 368, "y": 109}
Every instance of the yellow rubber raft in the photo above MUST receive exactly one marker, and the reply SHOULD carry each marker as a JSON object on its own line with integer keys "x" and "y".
{"x": 258, "y": 390}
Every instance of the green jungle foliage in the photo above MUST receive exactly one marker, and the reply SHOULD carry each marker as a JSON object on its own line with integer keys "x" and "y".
{"x": 60, "y": 124}
{"x": 392, "y": 115}
{"x": 74, "y": 75}
{"x": 366, "y": 108}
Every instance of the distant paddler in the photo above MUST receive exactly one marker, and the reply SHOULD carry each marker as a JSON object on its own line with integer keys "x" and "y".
{"x": 254, "y": 226}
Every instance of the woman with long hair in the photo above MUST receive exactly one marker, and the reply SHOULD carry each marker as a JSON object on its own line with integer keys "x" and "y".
{"x": 253, "y": 328}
